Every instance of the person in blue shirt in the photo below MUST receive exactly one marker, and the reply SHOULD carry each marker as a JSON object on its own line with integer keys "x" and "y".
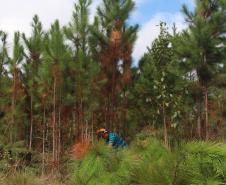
{"x": 112, "y": 139}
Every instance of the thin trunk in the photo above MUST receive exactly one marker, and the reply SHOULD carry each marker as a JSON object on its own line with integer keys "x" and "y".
{"x": 80, "y": 121}
{"x": 113, "y": 99}
{"x": 165, "y": 126}
{"x": 43, "y": 141}
{"x": 206, "y": 114}
{"x": 54, "y": 119}
{"x": 191, "y": 134}
{"x": 92, "y": 127}
{"x": 31, "y": 123}
{"x": 86, "y": 130}
{"x": 13, "y": 105}
{"x": 59, "y": 139}
{"x": 73, "y": 133}
{"x": 199, "y": 128}
{"x": 206, "y": 103}
{"x": 78, "y": 126}
{"x": 105, "y": 113}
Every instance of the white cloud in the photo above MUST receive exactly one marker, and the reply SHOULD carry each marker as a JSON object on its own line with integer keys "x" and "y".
{"x": 93, "y": 8}
{"x": 136, "y": 15}
{"x": 150, "y": 30}
{"x": 16, "y": 15}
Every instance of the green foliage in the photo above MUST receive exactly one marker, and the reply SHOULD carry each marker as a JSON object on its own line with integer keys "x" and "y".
{"x": 104, "y": 165}
{"x": 200, "y": 44}
{"x": 148, "y": 162}
{"x": 58, "y": 85}
{"x": 12, "y": 156}
{"x": 159, "y": 90}
{"x": 78, "y": 29}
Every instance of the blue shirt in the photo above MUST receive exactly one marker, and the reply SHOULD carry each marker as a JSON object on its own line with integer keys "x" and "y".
{"x": 115, "y": 140}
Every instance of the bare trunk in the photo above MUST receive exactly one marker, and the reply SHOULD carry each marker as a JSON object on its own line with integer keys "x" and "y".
{"x": 105, "y": 113}
{"x": 73, "y": 127}
{"x": 31, "y": 123}
{"x": 92, "y": 127}
{"x": 80, "y": 121}
{"x": 206, "y": 114}
{"x": 43, "y": 141}
{"x": 59, "y": 139}
{"x": 86, "y": 130}
{"x": 206, "y": 103}
{"x": 77, "y": 120}
{"x": 13, "y": 105}
{"x": 54, "y": 120}
{"x": 165, "y": 126}
{"x": 113, "y": 100}
{"x": 199, "y": 128}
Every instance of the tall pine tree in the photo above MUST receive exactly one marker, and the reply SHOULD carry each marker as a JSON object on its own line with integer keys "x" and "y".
{"x": 199, "y": 45}
{"x": 112, "y": 45}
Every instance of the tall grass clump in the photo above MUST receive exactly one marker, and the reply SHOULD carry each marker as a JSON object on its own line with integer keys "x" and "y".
{"x": 19, "y": 178}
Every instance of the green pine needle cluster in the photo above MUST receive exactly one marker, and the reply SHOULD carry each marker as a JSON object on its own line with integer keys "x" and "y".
{"x": 148, "y": 162}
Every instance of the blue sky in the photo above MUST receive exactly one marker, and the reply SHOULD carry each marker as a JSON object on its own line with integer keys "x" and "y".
{"x": 146, "y": 9}
{"x": 149, "y": 13}
{"x": 17, "y": 15}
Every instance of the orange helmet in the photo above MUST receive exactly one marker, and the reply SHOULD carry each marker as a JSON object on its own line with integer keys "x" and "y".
{"x": 101, "y": 131}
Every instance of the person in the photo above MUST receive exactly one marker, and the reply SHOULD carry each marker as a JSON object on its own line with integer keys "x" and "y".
{"x": 112, "y": 139}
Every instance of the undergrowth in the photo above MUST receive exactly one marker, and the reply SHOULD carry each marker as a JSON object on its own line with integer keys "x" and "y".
{"x": 148, "y": 162}
{"x": 145, "y": 162}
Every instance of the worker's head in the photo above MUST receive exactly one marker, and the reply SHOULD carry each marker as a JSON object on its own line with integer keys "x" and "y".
{"x": 102, "y": 133}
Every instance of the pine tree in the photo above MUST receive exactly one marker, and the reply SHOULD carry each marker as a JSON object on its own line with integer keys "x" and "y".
{"x": 17, "y": 90}
{"x": 33, "y": 54}
{"x": 5, "y": 84}
{"x": 3, "y": 53}
{"x": 199, "y": 44}
{"x": 112, "y": 45}
{"x": 57, "y": 59}
{"x": 84, "y": 70}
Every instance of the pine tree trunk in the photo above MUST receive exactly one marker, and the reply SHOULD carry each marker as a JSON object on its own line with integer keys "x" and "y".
{"x": 73, "y": 133}
{"x": 77, "y": 120}
{"x": 92, "y": 127}
{"x": 54, "y": 120}
{"x": 105, "y": 113}
{"x": 206, "y": 103}
{"x": 206, "y": 114}
{"x": 31, "y": 123}
{"x": 165, "y": 126}
{"x": 13, "y": 104}
{"x": 113, "y": 100}
{"x": 59, "y": 139}
{"x": 81, "y": 120}
{"x": 199, "y": 128}
{"x": 43, "y": 141}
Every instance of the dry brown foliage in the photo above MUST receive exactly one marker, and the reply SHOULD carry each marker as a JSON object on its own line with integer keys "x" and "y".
{"x": 80, "y": 149}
